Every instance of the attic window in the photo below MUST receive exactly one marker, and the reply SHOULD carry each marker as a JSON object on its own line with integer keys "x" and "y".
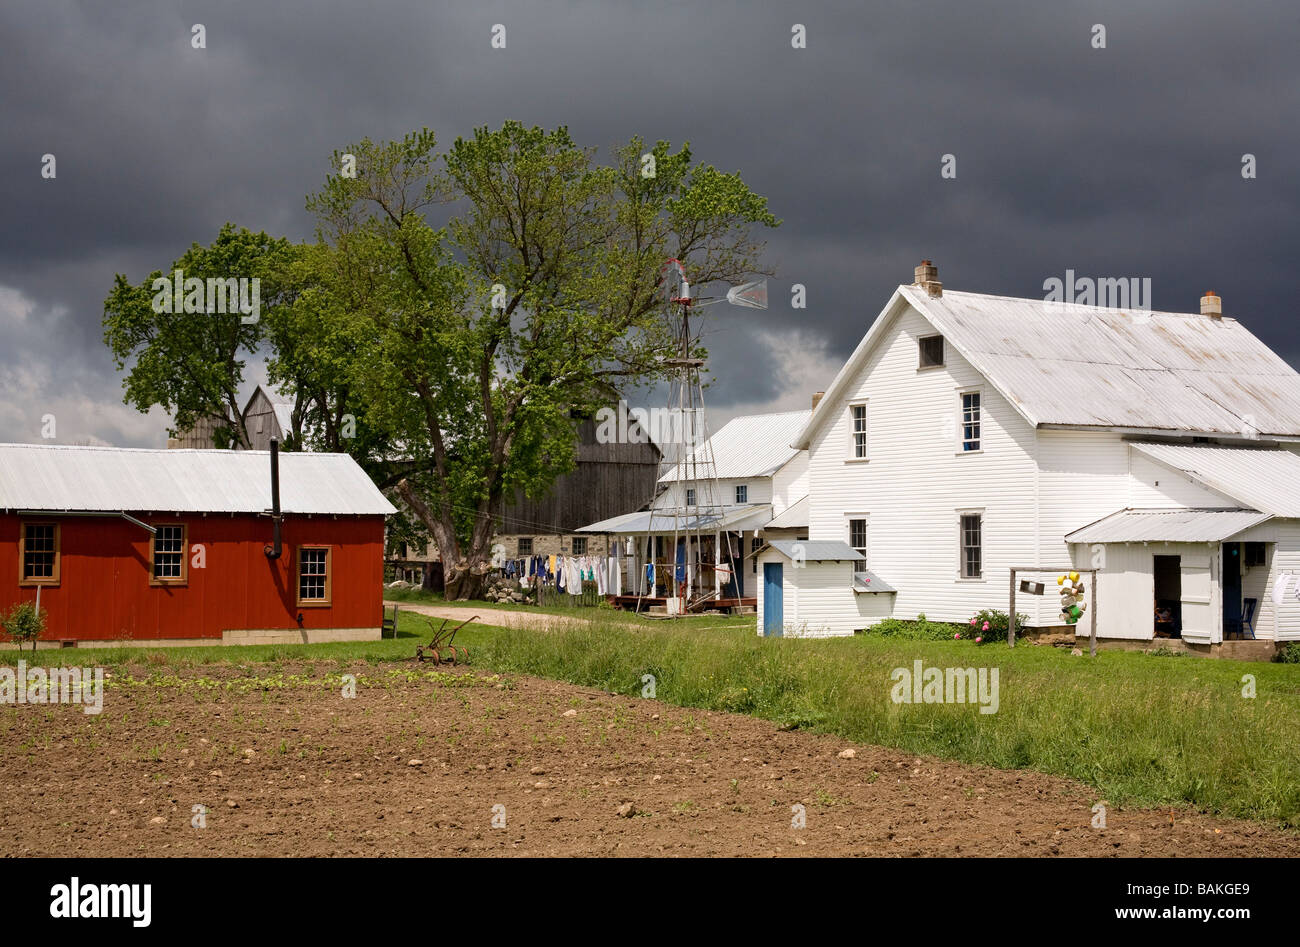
{"x": 931, "y": 351}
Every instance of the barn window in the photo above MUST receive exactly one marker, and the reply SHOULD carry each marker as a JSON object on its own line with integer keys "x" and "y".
{"x": 525, "y": 545}
{"x": 38, "y": 556}
{"x": 579, "y": 545}
{"x": 167, "y": 566}
{"x": 931, "y": 351}
{"x": 1254, "y": 555}
{"x": 742, "y": 493}
{"x": 690, "y": 496}
{"x": 313, "y": 575}
{"x": 858, "y": 428}
{"x": 970, "y": 420}
{"x": 972, "y": 545}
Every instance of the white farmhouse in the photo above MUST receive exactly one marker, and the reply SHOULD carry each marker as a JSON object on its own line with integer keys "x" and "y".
{"x": 970, "y": 434}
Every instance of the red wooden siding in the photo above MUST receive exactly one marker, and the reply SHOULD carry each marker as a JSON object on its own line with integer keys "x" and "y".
{"x": 104, "y": 590}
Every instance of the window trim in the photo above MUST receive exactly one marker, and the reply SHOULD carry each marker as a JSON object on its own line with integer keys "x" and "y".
{"x": 853, "y": 458}
{"x": 961, "y": 421}
{"x": 54, "y": 579}
{"x": 185, "y": 556}
{"x": 920, "y": 353}
{"x": 328, "y": 600}
{"x": 961, "y": 547}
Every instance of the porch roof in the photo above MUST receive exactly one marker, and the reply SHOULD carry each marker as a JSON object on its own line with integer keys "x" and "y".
{"x": 668, "y": 521}
{"x": 1174, "y": 526}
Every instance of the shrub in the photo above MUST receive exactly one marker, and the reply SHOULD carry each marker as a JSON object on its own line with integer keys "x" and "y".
{"x": 1289, "y": 653}
{"x": 991, "y": 625}
{"x": 24, "y": 623}
{"x": 920, "y": 630}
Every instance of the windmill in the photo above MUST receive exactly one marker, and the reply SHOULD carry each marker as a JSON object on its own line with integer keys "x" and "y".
{"x": 687, "y": 454}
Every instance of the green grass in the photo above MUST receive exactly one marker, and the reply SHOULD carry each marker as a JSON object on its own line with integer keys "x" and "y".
{"x": 1142, "y": 730}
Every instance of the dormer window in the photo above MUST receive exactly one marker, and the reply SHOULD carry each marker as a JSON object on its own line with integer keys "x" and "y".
{"x": 931, "y": 351}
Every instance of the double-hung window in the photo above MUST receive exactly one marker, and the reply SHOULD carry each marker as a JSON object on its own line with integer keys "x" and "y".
{"x": 970, "y": 420}
{"x": 314, "y": 576}
{"x": 971, "y": 531}
{"x": 168, "y": 556}
{"x": 858, "y": 429}
{"x": 38, "y": 559}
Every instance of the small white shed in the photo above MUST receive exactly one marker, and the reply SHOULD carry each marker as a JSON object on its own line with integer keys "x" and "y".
{"x": 816, "y": 589}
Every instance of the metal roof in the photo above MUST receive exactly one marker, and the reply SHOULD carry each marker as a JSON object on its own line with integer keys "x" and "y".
{"x": 749, "y": 516}
{"x": 1262, "y": 479}
{"x": 864, "y": 580}
{"x": 816, "y": 550}
{"x": 792, "y": 517}
{"x": 57, "y": 478}
{"x": 1093, "y": 366}
{"x": 754, "y": 445}
{"x": 1174, "y": 526}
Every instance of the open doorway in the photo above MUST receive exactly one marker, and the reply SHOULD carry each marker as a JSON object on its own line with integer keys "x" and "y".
{"x": 1232, "y": 590}
{"x": 1168, "y": 574}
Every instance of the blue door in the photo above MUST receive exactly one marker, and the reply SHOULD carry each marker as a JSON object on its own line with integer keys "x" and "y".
{"x": 773, "y": 609}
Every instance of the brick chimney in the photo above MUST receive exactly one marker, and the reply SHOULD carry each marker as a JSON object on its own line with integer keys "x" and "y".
{"x": 1211, "y": 305}
{"x": 927, "y": 277}
{"x": 817, "y": 397}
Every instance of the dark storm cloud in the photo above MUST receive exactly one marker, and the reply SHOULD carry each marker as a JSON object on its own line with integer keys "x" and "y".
{"x": 1123, "y": 161}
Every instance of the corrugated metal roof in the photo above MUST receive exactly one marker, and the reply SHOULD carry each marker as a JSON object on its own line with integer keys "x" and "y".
{"x": 1174, "y": 526}
{"x": 1092, "y": 365}
{"x": 47, "y": 477}
{"x": 1266, "y": 480}
{"x": 750, "y": 516}
{"x": 792, "y": 517}
{"x": 816, "y": 550}
{"x": 755, "y": 445}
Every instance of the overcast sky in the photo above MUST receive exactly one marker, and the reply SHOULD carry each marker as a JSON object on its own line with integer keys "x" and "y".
{"x": 1123, "y": 161}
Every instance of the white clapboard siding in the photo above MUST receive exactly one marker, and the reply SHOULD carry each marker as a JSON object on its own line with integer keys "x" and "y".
{"x": 916, "y": 479}
{"x": 790, "y": 483}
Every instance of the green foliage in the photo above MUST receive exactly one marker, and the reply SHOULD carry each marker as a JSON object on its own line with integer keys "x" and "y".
{"x": 24, "y": 623}
{"x": 1289, "y": 653}
{"x": 192, "y": 364}
{"x": 920, "y": 630}
{"x": 997, "y": 623}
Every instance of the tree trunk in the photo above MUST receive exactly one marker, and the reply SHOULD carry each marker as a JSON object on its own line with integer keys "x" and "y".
{"x": 463, "y": 572}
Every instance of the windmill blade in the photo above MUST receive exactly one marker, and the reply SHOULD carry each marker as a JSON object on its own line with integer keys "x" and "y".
{"x": 751, "y": 295}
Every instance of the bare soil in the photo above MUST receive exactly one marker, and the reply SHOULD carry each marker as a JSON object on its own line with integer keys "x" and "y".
{"x": 417, "y": 761}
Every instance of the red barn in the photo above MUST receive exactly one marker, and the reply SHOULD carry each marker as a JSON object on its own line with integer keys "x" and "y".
{"x": 179, "y": 546}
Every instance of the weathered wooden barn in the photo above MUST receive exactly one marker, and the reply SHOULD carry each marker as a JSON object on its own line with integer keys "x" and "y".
{"x": 181, "y": 547}
{"x": 608, "y": 479}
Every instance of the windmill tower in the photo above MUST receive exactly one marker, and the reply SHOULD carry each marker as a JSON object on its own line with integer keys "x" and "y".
{"x": 695, "y": 507}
